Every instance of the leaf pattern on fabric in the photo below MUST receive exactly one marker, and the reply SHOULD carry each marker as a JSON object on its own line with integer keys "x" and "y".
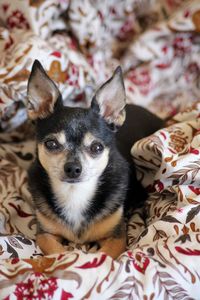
{"x": 12, "y": 251}
{"x": 168, "y": 287}
{"x": 13, "y": 242}
{"x": 162, "y": 260}
{"x": 182, "y": 176}
{"x": 192, "y": 213}
{"x": 170, "y": 219}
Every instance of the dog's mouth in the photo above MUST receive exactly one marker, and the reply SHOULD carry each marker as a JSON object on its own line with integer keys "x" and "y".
{"x": 71, "y": 180}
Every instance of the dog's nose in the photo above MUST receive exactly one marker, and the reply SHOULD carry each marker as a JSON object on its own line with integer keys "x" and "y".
{"x": 73, "y": 169}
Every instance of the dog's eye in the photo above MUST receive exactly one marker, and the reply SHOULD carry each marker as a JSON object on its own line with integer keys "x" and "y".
{"x": 52, "y": 145}
{"x": 96, "y": 148}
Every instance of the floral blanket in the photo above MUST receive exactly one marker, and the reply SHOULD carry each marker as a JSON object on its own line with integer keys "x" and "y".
{"x": 79, "y": 43}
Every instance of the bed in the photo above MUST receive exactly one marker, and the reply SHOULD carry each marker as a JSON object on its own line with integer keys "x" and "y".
{"x": 157, "y": 43}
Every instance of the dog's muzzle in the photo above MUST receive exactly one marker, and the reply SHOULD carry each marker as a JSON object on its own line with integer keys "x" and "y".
{"x": 73, "y": 170}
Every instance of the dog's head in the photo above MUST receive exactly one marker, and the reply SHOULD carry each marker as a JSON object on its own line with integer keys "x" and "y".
{"x": 73, "y": 144}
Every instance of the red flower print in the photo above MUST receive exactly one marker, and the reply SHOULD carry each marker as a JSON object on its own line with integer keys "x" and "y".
{"x": 163, "y": 134}
{"x": 126, "y": 30}
{"x": 17, "y": 20}
{"x": 5, "y": 7}
{"x": 66, "y": 295}
{"x": 94, "y": 264}
{"x": 140, "y": 261}
{"x": 19, "y": 211}
{"x": 73, "y": 75}
{"x": 165, "y": 49}
{"x": 60, "y": 256}
{"x": 165, "y": 62}
{"x": 194, "y": 151}
{"x": 159, "y": 186}
{"x": 179, "y": 210}
{"x": 42, "y": 288}
{"x": 186, "y": 13}
{"x": 79, "y": 97}
{"x": 14, "y": 261}
{"x": 163, "y": 65}
{"x": 142, "y": 79}
{"x": 182, "y": 45}
{"x": 188, "y": 251}
{"x": 56, "y": 54}
{"x": 9, "y": 43}
{"x": 194, "y": 190}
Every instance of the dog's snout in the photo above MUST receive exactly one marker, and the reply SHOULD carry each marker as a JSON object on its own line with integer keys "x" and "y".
{"x": 73, "y": 169}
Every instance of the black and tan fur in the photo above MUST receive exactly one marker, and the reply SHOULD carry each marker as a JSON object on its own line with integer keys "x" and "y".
{"x": 79, "y": 180}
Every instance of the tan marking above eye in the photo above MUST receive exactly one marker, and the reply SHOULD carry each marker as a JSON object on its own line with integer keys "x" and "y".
{"x": 61, "y": 137}
{"x": 88, "y": 139}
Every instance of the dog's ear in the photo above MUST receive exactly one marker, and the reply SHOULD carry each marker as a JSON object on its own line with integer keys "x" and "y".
{"x": 109, "y": 99}
{"x": 42, "y": 93}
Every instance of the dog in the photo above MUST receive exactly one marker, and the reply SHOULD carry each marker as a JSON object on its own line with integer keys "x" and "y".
{"x": 83, "y": 177}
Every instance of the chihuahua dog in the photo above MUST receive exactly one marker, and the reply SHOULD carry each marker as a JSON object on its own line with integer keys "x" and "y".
{"x": 83, "y": 178}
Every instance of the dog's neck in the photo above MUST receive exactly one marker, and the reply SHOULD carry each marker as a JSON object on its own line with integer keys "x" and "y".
{"x": 74, "y": 199}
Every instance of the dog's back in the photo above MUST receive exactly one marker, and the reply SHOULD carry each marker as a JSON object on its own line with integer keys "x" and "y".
{"x": 139, "y": 123}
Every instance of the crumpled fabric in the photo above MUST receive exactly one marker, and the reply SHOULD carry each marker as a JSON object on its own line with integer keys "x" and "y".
{"x": 157, "y": 45}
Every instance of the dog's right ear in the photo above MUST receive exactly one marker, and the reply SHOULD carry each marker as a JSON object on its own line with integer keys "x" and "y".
{"x": 42, "y": 93}
{"x": 110, "y": 100}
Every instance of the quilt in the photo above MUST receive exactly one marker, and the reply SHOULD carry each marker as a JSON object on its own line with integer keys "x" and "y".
{"x": 157, "y": 43}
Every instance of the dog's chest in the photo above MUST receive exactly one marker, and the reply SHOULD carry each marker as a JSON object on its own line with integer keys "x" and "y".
{"x": 73, "y": 200}
{"x": 93, "y": 232}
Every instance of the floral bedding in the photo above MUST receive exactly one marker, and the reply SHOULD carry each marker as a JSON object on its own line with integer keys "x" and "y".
{"x": 79, "y": 43}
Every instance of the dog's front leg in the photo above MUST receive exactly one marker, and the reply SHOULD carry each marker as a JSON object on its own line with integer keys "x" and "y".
{"x": 49, "y": 243}
{"x": 113, "y": 246}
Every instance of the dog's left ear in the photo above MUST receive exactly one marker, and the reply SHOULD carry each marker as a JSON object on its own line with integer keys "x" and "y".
{"x": 109, "y": 99}
{"x": 42, "y": 93}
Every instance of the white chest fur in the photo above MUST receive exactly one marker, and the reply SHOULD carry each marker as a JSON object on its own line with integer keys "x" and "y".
{"x": 74, "y": 199}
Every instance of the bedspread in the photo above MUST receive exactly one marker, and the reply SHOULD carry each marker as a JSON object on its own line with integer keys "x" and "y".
{"x": 158, "y": 45}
